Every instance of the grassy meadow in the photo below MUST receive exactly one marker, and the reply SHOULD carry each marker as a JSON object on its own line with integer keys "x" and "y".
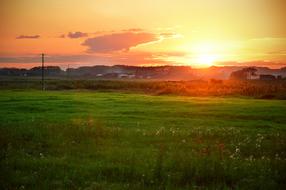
{"x": 275, "y": 89}
{"x": 114, "y": 140}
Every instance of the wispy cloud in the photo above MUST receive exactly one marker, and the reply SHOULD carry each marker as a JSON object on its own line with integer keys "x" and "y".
{"x": 257, "y": 63}
{"x": 74, "y": 35}
{"x": 127, "y": 58}
{"x": 118, "y": 41}
{"x": 133, "y": 30}
{"x": 28, "y": 37}
{"x": 62, "y": 36}
{"x": 77, "y": 34}
{"x": 125, "y": 39}
{"x": 48, "y": 58}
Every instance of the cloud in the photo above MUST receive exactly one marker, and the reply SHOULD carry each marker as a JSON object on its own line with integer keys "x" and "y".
{"x": 48, "y": 58}
{"x": 134, "y": 30}
{"x": 28, "y": 37}
{"x": 62, "y": 36}
{"x": 122, "y": 58}
{"x": 278, "y": 52}
{"x": 257, "y": 63}
{"x": 118, "y": 41}
{"x": 168, "y": 34}
{"x": 119, "y": 58}
{"x": 77, "y": 35}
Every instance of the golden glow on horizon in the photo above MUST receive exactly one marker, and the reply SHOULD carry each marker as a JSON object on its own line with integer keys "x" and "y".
{"x": 197, "y": 33}
{"x": 205, "y": 60}
{"x": 204, "y": 54}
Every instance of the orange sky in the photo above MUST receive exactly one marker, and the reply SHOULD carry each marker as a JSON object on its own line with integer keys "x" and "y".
{"x": 199, "y": 33}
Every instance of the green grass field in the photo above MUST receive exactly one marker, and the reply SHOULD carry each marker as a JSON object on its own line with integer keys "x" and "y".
{"x": 105, "y": 140}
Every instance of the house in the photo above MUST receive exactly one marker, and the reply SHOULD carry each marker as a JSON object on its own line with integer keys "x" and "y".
{"x": 99, "y": 75}
{"x": 252, "y": 76}
{"x": 244, "y": 74}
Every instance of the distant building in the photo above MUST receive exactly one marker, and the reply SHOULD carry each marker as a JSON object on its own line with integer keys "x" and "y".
{"x": 267, "y": 77}
{"x": 252, "y": 76}
{"x": 244, "y": 74}
{"x": 99, "y": 75}
{"x": 122, "y": 76}
{"x": 131, "y": 76}
{"x": 110, "y": 75}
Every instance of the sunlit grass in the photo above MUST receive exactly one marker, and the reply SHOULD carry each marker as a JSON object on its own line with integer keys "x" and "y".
{"x": 72, "y": 140}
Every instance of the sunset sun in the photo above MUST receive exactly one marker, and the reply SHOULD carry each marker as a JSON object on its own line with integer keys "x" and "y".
{"x": 206, "y": 60}
{"x": 203, "y": 54}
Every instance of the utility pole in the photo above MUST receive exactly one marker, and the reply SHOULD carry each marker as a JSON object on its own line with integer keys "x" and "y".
{"x": 68, "y": 71}
{"x": 43, "y": 71}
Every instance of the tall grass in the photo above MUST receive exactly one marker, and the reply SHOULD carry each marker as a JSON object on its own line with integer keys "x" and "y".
{"x": 96, "y": 156}
{"x": 258, "y": 89}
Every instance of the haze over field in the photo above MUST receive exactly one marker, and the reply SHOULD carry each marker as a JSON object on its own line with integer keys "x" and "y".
{"x": 143, "y": 33}
{"x": 143, "y": 94}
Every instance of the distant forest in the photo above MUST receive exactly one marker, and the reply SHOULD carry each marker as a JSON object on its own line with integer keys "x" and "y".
{"x": 160, "y": 72}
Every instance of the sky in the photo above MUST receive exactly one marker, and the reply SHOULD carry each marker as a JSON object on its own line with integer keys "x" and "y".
{"x": 198, "y": 33}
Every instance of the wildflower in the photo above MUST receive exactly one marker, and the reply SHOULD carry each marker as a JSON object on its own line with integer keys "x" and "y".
{"x": 160, "y": 130}
{"x": 251, "y": 158}
{"x": 277, "y": 157}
